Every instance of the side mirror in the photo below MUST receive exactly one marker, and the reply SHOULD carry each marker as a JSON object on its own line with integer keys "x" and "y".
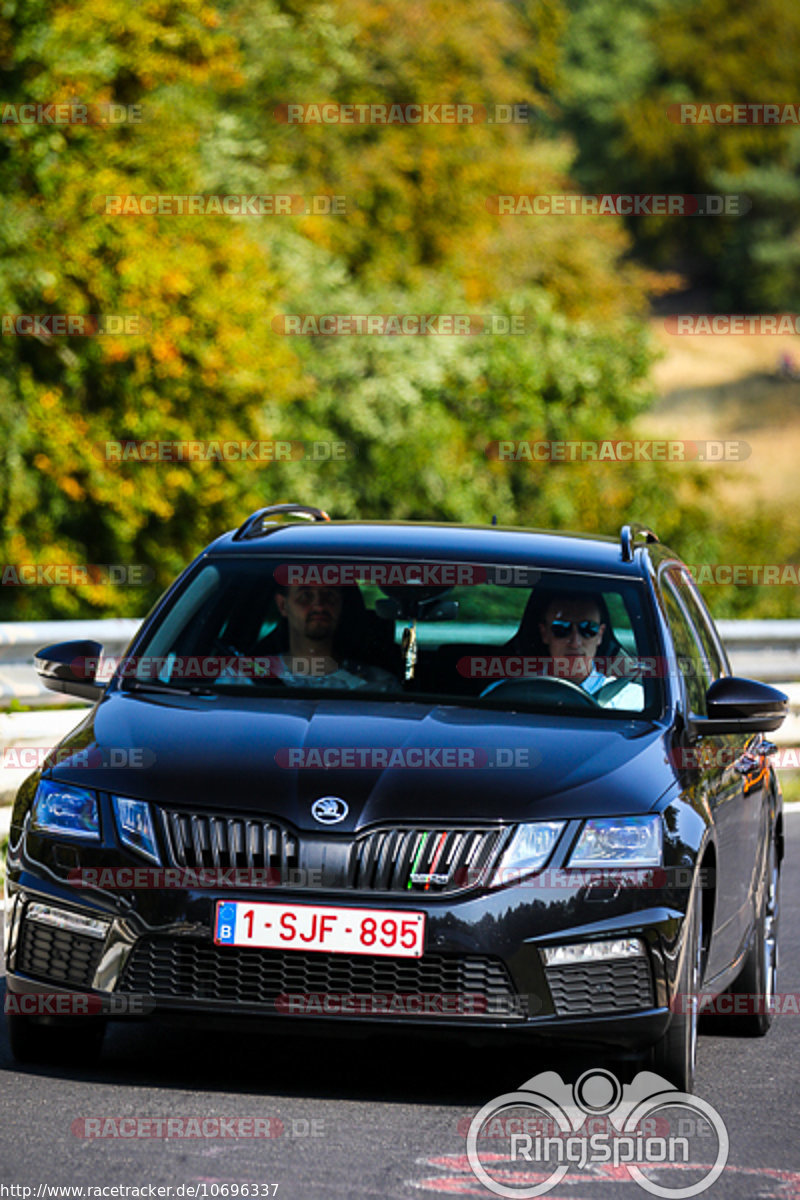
{"x": 742, "y": 706}
{"x": 71, "y": 667}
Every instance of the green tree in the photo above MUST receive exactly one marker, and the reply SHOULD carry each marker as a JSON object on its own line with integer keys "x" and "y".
{"x": 625, "y": 66}
{"x": 418, "y": 412}
{"x": 202, "y": 368}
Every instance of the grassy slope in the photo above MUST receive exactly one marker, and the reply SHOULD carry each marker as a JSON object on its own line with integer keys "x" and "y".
{"x": 729, "y": 387}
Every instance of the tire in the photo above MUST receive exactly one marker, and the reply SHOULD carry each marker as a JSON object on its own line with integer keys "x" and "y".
{"x": 78, "y": 1042}
{"x": 759, "y": 970}
{"x": 674, "y": 1056}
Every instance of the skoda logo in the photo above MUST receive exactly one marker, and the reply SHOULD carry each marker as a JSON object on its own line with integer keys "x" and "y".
{"x": 329, "y": 810}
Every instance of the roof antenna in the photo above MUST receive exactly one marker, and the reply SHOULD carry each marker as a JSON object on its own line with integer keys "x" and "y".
{"x": 494, "y": 518}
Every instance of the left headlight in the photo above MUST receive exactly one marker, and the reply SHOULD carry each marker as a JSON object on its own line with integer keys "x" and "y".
{"x": 58, "y": 808}
{"x": 619, "y": 842}
{"x": 135, "y": 826}
{"x": 528, "y": 851}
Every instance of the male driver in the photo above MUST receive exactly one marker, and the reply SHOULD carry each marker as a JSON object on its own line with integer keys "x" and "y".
{"x": 572, "y": 630}
{"x": 312, "y": 616}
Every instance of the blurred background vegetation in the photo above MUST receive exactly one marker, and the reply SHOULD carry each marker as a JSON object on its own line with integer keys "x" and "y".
{"x": 598, "y": 76}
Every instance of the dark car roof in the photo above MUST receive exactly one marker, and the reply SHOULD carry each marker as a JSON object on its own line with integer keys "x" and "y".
{"x": 425, "y": 542}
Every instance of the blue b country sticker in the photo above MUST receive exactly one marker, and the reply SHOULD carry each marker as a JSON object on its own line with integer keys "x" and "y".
{"x": 226, "y": 924}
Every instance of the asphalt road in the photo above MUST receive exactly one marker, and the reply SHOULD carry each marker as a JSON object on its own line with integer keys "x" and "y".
{"x": 379, "y": 1119}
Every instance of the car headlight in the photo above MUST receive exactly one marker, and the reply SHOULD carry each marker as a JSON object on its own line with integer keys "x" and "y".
{"x": 135, "y": 826}
{"x": 59, "y": 808}
{"x": 619, "y": 842}
{"x": 528, "y": 851}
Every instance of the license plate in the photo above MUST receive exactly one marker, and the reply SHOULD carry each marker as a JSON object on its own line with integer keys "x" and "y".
{"x": 379, "y": 931}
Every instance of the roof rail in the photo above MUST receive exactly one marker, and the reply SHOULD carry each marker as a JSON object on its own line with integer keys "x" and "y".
{"x": 259, "y": 523}
{"x": 628, "y": 536}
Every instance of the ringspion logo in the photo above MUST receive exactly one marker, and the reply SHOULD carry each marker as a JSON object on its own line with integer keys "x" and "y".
{"x": 525, "y": 1161}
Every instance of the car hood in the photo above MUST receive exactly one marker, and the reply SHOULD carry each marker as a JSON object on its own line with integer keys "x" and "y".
{"x": 407, "y": 761}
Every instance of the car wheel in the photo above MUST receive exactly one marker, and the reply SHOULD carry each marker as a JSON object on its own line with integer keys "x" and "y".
{"x": 674, "y": 1056}
{"x": 757, "y": 978}
{"x": 33, "y": 1042}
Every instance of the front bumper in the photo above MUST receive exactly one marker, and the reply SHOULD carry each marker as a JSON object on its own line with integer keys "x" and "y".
{"x": 482, "y": 974}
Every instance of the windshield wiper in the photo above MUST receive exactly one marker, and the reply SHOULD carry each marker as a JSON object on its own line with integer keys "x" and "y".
{"x": 174, "y": 689}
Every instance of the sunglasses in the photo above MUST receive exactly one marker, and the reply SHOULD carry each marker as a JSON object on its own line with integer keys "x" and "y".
{"x": 587, "y": 629}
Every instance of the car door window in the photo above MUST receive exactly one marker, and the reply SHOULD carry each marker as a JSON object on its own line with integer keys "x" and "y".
{"x": 701, "y": 621}
{"x": 692, "y": 659}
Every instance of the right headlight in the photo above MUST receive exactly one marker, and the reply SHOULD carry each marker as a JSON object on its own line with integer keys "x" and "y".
{"x": 619, "y": 842}
{"x": 527, "y": 852}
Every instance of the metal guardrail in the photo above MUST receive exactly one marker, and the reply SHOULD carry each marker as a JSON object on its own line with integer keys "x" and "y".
{"x": 19, "y": 641}
{"x": 765, "y": 650}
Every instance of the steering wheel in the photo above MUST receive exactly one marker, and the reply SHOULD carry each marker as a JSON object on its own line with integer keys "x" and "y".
{"x": 530, "y": 691}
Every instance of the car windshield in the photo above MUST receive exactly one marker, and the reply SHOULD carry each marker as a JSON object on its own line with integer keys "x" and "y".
{"x": 493, "y": 635}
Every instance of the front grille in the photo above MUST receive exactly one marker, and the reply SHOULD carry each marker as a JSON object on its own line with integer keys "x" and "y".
{"x": 225, "y": 843}
{"x": 194, "y": 970}
{"x": 57, "y": 955}
{"x": 407, "y": 860}
{"x": 420, "y": 860}
{"x": 589, "y": 989}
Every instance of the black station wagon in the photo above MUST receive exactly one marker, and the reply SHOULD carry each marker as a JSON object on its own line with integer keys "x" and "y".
{"x": 364, "y": 776}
